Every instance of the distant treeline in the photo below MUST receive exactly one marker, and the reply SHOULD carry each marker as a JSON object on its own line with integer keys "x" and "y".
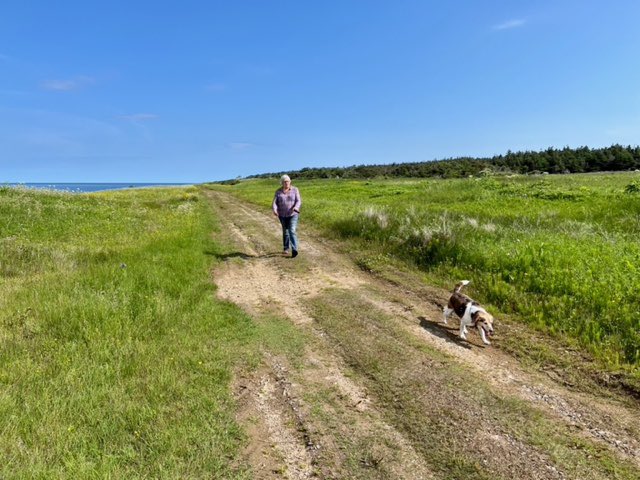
{"x": 551, "y": 160}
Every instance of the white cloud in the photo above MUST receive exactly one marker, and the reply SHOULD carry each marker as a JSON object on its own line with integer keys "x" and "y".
{"x": 139, "y": 117}
{"x": 259, "y": 70}
{"x": 13, "y": 93}
{"x": 509, "y": 24}
{"x": 52, "y": 141}
{"x": 215, "y": 87}
{"x": 51, "y": 133}
{"x": 68, "y": 84}
{"x": 240, "y": 145}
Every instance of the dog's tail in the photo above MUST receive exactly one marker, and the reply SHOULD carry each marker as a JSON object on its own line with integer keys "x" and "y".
{"x": 459, "y": 285}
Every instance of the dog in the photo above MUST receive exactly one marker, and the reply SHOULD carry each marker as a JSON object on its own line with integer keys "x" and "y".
{"x": 470, "y": 313}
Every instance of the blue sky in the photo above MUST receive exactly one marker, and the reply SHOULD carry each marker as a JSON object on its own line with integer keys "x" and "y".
{"x": 194, "y": 91}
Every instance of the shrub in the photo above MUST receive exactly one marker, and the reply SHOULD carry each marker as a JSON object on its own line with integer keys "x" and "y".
{"x": 633, "y": 187}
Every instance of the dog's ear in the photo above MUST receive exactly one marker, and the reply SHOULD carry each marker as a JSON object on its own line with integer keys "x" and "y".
{"x": 486, "y": 317}
{"x": 489, "y": 320}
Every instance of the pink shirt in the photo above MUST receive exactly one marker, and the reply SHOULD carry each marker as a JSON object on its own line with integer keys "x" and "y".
{"x": 287, "y": 204}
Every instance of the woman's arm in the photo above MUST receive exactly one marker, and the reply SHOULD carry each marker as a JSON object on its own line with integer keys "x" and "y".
{"x": 296, "y": 206}
{"x": 274, "y": 204}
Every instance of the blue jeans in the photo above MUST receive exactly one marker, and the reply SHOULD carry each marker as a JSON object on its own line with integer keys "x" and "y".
{"x": 289, "y": 237}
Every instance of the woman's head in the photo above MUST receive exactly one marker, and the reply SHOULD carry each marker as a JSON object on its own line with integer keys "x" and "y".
{"x": 284, "y": 180}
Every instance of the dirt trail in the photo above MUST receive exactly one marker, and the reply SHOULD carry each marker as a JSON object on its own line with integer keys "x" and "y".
{"x": 288, "y": 440}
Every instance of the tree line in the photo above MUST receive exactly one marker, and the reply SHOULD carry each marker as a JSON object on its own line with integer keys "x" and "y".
{"x": 551, "y": 160}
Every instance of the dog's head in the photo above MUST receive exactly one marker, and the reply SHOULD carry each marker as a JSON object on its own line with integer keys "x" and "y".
{"x": 484, "y": 320}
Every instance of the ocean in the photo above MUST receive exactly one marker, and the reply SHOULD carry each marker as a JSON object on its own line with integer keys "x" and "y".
{"x": 90, "y": 187}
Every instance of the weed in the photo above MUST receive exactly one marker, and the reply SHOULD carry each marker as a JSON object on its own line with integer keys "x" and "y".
{"x": 633, "y": 187}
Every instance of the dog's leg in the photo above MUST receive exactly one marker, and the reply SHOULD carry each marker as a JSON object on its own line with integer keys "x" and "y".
{"x": 484, "y": 336}
{"x": 464, "y": 321}
{"x": 446, "y": 312}
{"x": 463, "y": 330}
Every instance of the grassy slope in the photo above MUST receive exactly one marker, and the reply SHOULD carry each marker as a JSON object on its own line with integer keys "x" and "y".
{"x": 115, "y": 359}
{"x": 565, "y": 246}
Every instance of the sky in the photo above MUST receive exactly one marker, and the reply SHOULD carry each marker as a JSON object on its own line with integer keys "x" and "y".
{"x": 197, "y": 91}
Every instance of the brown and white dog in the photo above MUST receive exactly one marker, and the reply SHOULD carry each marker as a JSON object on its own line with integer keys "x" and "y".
{"x": 470, "y": 313}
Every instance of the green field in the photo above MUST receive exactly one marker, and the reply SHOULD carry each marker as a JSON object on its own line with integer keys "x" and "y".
{"x": 560, "y": 253}
{"x": 115, "y": 358}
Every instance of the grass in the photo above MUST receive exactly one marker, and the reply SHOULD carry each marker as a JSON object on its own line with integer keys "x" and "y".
{"x": 560, "y": 253}
{"x": 428, "y": 399}
{"x": 115, "y": 357}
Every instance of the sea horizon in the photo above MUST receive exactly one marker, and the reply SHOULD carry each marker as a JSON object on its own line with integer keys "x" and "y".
{"x": 86, "y": 187}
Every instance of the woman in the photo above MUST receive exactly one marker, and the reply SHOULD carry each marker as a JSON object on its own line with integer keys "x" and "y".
{"x": 286, "y": 206}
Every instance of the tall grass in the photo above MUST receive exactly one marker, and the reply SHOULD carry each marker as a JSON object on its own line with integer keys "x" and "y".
{"x": 115, "y": 358}
{"x": 560, "y": 251}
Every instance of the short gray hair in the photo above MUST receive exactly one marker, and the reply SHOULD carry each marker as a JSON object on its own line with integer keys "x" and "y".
{"x": 283, "y": 178}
